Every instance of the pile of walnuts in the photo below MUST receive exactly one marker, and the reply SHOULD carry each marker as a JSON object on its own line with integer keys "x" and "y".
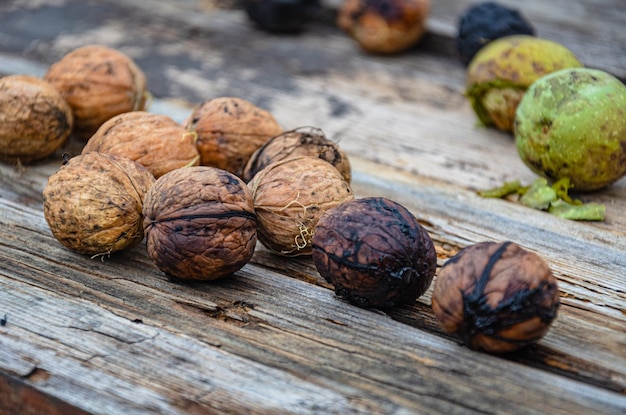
{"x": 203, "y": 192}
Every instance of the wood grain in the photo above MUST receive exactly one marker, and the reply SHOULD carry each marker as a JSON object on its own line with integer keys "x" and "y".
{"x": 113, "y": 335}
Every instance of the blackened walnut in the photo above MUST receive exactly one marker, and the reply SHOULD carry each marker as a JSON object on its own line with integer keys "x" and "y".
{"x": 496, "y": 297}
{"x": 484, "y": 22}
{"x": 93, "y": 204}
{"x": 299, "y": 142}
{"x": 199, "y": 223}
{"x": 375, "y": 253}
{"x": 281, "y": 15}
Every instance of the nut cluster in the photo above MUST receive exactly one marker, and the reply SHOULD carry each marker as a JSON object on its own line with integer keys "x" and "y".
{"x": 202, "y": 193}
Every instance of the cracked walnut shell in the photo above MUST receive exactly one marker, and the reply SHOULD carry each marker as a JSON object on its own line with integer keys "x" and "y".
{"x": 199, "y": 223}
{"x": 155, "y": 141}
{"x": 229, "y": 130}
{"x": 289, "y": 198}
{"x": 496, "y": 297}
{"x": 93, "y": 204}
{"x": 299, "y": 142}
{"x": 35, "y": 120}
{"x": 98, "y": 83}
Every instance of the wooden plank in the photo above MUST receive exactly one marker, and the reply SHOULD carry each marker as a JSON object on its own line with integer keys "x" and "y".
{"x": 113, "y": 335}
{"x": 248, "y": 317}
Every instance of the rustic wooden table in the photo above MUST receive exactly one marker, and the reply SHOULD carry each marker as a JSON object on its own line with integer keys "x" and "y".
{"x": 114, "y": 336}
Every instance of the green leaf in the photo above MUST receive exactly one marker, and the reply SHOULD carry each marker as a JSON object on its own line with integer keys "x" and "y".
{"x": 587, "y": 211}
{"x": 561, "y": 187}
{"x": 504, "y": 190}
{"x": 539, "y": 196}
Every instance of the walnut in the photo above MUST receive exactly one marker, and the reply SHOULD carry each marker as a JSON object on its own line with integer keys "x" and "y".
{"x": 289, "y": 198}
{"x": 98, "y": 83}
{"x": 298, "y": 142}
{"x": 374, "y": 252}
{"x": 496, "y": 297}
{"x": 384, "y": 26}
{"x": 35, "y": 120}
{"x": 93, "y": 204}
{"x": 199, "y": 223}
{"x": 156, "y": 141}
{"x": 229, "y": 130}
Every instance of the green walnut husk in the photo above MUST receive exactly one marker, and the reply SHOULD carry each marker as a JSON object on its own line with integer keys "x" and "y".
{"x": 554, "y": 199}
{"x": 501, "y": 72}
{"x": 572, "y": 124}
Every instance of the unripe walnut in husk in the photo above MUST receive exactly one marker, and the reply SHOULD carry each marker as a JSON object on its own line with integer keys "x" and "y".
{"x": 289, "y": 198}
{"x": 199, "y": 223}
{"x": 496, "y": 297}
{"x": 156, "y": 141}
{"x": 35, "y": 120}
{"x": 93, "y": 204}
{"x": 299, "y": 142}
{"x": 229, "y": 130}
{"x": 384, "y": 26}
{"x": 98, "y": 82}
{"x": 374, "y": 252}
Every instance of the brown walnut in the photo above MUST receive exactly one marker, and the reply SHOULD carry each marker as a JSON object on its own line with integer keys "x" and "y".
{"x": 93, "y": 204}
{"x": 229, "y": 130}
{"x": 156, "y": 141}
{"x": 35, "y": 120}
{"x": 384, "y": 26}
{"x": 374, "y": 252}
{"x": 98, "y": 82}
{"x": 496, "y": 297}
{"x": 290, "y": 195}
{"x": 199, "y": 223}
{"x": 299, "y": 142}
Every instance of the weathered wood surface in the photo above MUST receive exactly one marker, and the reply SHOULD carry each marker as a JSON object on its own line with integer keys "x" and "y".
{"x": 113, "y": 335}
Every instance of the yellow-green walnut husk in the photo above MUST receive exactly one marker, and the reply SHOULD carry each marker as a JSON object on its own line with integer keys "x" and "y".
{"x": 501, "y": 72}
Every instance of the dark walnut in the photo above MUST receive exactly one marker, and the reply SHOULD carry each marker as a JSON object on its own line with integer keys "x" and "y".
{"x": 155, "y": 141}
{"x": 199, "y": 223}
{"x": 374, "y": 252}
{"x": 290, "y": 196}
{"x": 299, "y": 142}
{"x": 483, "y": 22}
{"x": 281, "y": 16}
{"x": 35, "y": 120}
{"x": 496, "y": 297}
{"x": 229, "y": 130}
{"x": 384, "y": 26}
{"x": 98, "y": 82}
{"x": 93, "y": 204}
